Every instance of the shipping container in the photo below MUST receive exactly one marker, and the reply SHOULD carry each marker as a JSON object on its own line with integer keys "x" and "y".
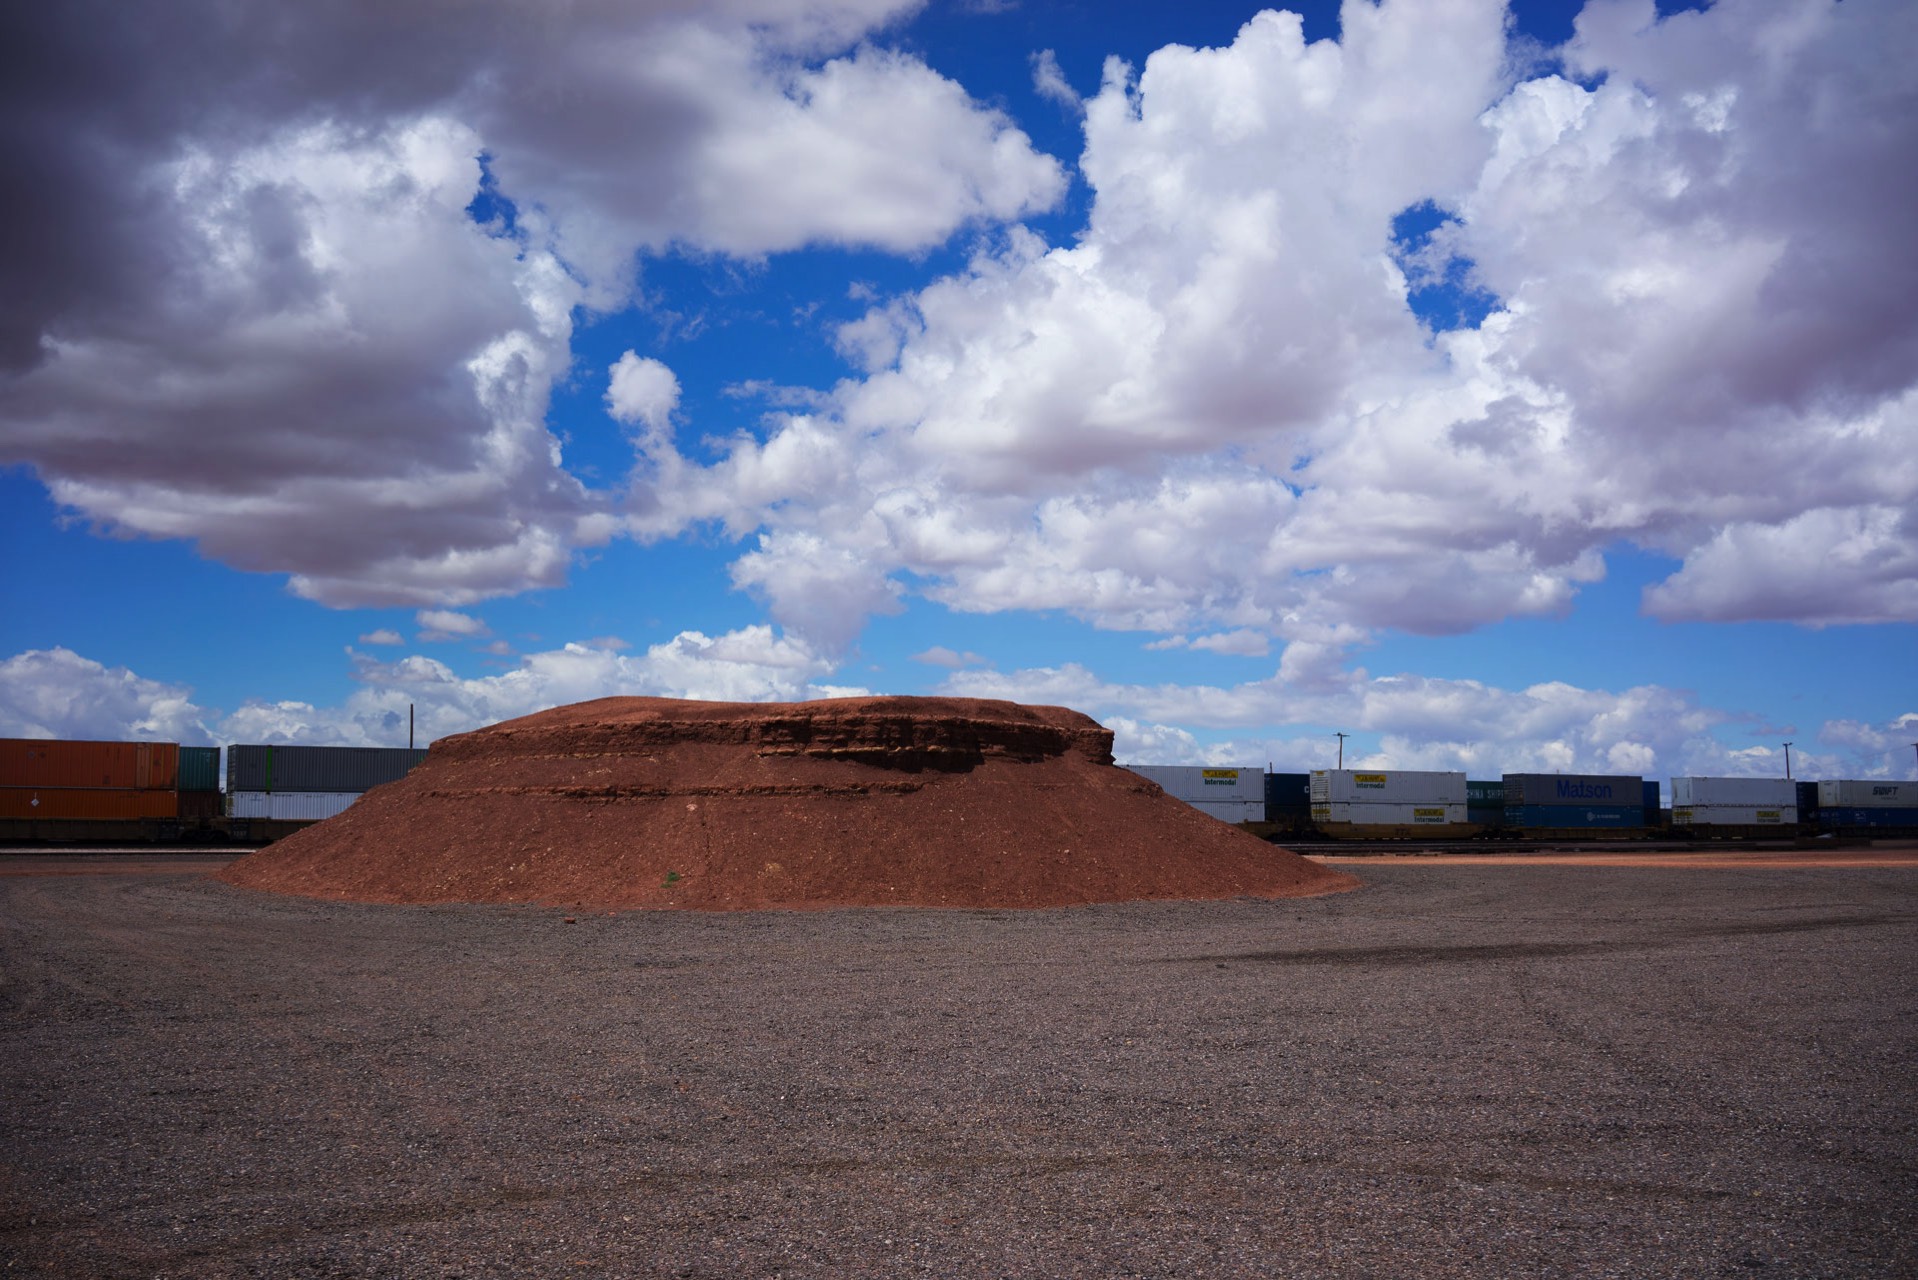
{"x": 77, "y": 803}
{"x": 337, "y": 769}
{"x": 1763, "y": 793}
{"x": 1590, "y": 817}
{"x": 201, "y": 806}
{"x": 1231, "y": 810}
{"x": 289, "y": 806}
{"x": 1288, "y": 790}
{"x": 1867, "y": 795}
{"x": 50, "y": 762}
{"x": 1195, "y": 783}
{"x": 1485, "y": 793}
{"x": 1734, "y": 815}
{"x": 1650, "y": 795}
{"x": 1575, "y": 790}
{"x": 1397, "y": 786}
{"x": 1485, "y": 815}
{"x": 1376, "y": 814}
{"x": 199, "y": 769}
{"x": 1839, "y": 819}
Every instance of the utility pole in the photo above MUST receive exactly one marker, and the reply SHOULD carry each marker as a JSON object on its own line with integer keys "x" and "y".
{"x": 1342, "y": 737}
{"x": 1788, "y": 762}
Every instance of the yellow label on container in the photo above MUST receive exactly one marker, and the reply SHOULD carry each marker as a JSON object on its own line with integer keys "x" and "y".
{"x": 1428, "y": 815}
{"x": 1770, "y": 815}
{"x": 1216, "y": 777}
{"x": 1371, "y": 781}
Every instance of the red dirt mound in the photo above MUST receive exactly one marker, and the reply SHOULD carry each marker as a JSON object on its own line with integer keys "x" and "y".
{"x": 652, "y": 802}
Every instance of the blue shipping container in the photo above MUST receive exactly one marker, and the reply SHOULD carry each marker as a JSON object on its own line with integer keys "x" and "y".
{"x": 1651, "y": 796}
{"x": 1833, "y": 819}
{"x": 1585, "y": 817}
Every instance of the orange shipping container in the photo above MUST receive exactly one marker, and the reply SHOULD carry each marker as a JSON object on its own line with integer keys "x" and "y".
{"x": 200, "y": 805}
{"x": 47, "y": 762}
{"x": 52, "y": 803}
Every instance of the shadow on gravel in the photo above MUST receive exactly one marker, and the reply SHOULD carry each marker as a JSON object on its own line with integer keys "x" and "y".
{"x": 1425, "y": 955}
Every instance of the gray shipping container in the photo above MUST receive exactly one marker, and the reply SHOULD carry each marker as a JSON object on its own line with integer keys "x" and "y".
{"x": 1574, "y": 790}
{"x": 1734, "y": 815}
{"x": 1867, "y": 795}
{"x": 1387, "y": 786}
{"x": 1231, "y": 810}
{"x": 1743, "y": 793}
{"x": 289, "y": 806}
{"x": 337, "y": 769}
{"x": 1375, "y": 814}
{"x": 1206, "y": 784}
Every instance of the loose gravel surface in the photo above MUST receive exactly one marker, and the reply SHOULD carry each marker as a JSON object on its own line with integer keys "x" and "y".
{"x": 1481, "y": 1071}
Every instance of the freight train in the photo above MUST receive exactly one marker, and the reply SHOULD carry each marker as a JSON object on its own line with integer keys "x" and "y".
{"x": 57, "y": 791}
{"x": 1354, "y": 804}
{"x": 160, "y": 792}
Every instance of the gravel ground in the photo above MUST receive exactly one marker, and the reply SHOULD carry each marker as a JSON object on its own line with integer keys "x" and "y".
{"x": 1470, "y": 1071}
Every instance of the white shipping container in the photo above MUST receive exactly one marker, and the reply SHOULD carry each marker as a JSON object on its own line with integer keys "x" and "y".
{"x": 1762, "y": 793}
{"x": 1398, "y": 786}
{"x": 1231, "y": 810}
{"x": 1371, "y": 814}
{"x": 1195, "y": 783}
{"x": 289, "y": 806}
{"x": 1867, "y": 795}
{"x": 1735, "y": 815}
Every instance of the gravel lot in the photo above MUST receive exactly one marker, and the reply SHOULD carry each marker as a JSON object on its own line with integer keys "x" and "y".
{"x": 1456, "y": 1071}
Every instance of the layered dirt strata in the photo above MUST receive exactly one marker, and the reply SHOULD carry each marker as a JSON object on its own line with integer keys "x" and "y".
{"x": 652, "y": 802}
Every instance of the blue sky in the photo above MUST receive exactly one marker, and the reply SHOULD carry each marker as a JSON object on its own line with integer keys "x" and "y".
{"x": 1510, "y": 390}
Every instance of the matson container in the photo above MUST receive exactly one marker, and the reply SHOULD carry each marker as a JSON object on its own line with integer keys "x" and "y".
{"x": 1195, "y": 784}
{"x": 1398, "y": 786}
{"x": 54, "y": 803}
{"x": 1867, "y": 795}
{"x": 48, "y": 762}
{"x": 1573, "y": 790}
{"x": 289, "y": 806}
{"x": 1764, "y": 793}
{"x": 1733, "y": 815}
{"x": 1390, "y": 815}
{"x": 293, "y": 768}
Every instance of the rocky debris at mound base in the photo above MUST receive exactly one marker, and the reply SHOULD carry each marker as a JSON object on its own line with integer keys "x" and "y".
{"x": 655, "y": 802}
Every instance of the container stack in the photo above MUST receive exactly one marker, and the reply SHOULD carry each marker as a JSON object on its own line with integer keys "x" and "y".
{"x": 1734, "y": 802}
{"x": 1847, "y": 804}
{"x": 1348, "y": 801}
{"x": 1230, "y": 795}
{"x": 42, "y": 780}
{"x": 308, "y": 784}
{"x": 1575, "y": 802}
